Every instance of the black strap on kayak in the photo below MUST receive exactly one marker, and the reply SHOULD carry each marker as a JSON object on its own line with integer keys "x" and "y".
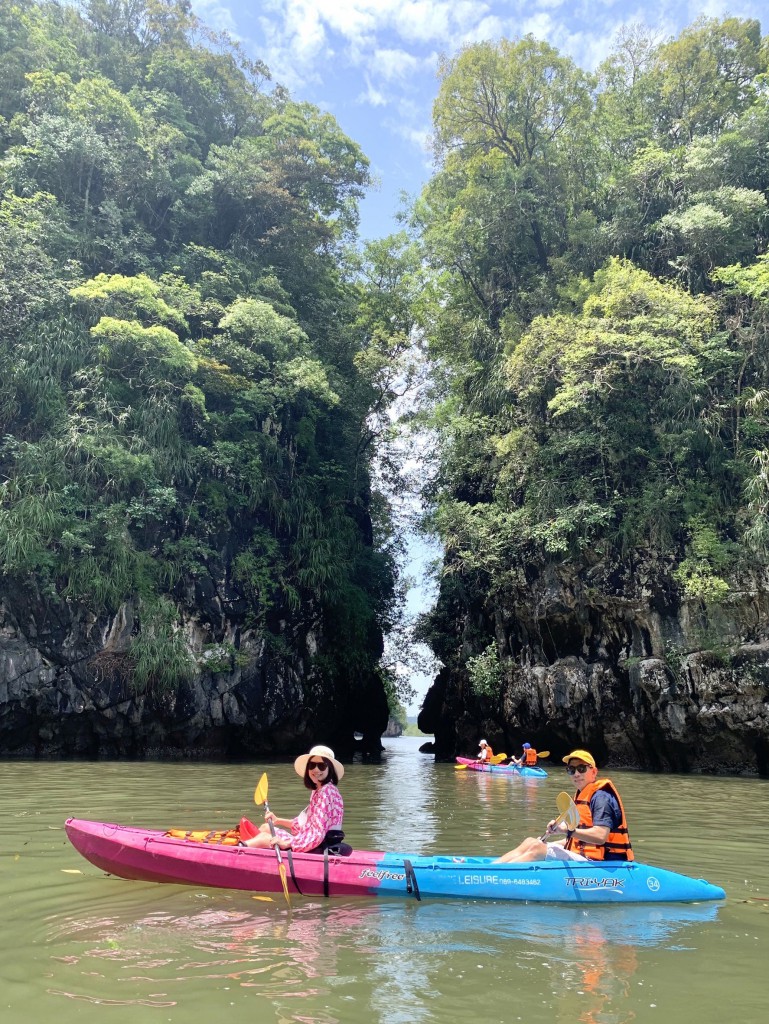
{"x": 325, "y": 873}
{"x": 290, "y": 860}
{"x": 412, "y": 886}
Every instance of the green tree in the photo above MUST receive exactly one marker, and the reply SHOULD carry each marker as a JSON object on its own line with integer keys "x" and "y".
{"x": 512, "y": 193}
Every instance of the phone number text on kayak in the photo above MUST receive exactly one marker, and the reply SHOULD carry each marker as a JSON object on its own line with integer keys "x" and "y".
{"x": 575, "y": 883}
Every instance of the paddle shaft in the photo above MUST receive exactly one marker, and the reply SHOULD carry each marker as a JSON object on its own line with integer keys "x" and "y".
{"x": 271, "y": 823}
{"x": 260, "y": 797}
{"x": 281, "y": 865}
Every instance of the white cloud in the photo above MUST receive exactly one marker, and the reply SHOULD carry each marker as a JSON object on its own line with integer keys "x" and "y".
{"x": 398, "y": 65}
{"x": 488, "y": 28}
{"x": 411, "y": 126}
{"x": 306, "y": 28}
{"x": 216, "y": 15}
{"x": 373, "y": 96}
{"x": 540, "y": 25}
{"x": 420, "y": 137}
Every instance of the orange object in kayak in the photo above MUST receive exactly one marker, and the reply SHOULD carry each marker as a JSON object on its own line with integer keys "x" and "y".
{"x": 222, "y": 837}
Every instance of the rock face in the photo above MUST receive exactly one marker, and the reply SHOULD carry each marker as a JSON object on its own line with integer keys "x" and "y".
{"x": 65, "y": 690}
{"x": 615, "y": 662}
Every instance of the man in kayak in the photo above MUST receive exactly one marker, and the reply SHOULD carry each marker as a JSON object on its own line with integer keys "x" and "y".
{"x": 527, "y": 759}
{"x": 485, "y": 754}
{"x": 602, "y": 832}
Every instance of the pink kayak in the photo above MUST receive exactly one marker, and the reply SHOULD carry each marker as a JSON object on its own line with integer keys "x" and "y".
{"x": 151, "y": 855}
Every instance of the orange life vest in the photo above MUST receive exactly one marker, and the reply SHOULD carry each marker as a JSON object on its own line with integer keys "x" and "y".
{"x": 616, "y": 842}
{"x": 530, "y": 756}
{"x": 223, "y": 837}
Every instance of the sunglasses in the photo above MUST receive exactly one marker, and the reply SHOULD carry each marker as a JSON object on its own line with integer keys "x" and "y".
{"x": 319, "y": 765}
{"x": 572, "y": 769}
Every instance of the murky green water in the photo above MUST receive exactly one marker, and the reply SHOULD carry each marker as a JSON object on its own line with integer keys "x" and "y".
{"x": 78, "y": 946}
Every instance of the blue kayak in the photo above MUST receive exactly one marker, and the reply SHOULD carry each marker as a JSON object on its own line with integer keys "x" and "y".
{"x": 511, "y": 770}
{"x": 553, "y": 881}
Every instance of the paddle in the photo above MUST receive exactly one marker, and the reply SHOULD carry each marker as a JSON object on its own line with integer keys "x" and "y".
{"x": 568, "y": 813}
{"x": 496, "y": 759}
{"x": 260, "y": 797}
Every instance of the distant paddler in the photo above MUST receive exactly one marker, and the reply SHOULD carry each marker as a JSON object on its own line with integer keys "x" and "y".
{"x": 528, "y": 758}
{"x": 485, "y": 753}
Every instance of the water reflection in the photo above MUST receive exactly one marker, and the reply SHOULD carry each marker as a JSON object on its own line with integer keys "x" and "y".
{"x": 574, "y": 952}
{"x": 282, "y": 957}
{"x": 548, "y": 925}
{"x": 406, "y": 803}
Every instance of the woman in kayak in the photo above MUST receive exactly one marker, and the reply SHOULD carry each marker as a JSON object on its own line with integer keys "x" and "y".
{"x": 485, "y": 753}
{"x": 602, "y": 832}
{"x": 319, "y": 826}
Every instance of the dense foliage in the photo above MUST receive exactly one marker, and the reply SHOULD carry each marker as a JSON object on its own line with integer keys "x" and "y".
{"x": 188, "y": 372}
{"x": 597, "y": 245}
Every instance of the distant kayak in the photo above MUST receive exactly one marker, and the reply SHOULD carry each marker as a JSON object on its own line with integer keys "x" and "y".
{"x": 151, "y": 855}
{"x": 501, "y": 769}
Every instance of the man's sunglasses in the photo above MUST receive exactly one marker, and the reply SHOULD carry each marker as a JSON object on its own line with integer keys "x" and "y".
{"x": 321, "y": 765}
{"x": 572, "y": 769}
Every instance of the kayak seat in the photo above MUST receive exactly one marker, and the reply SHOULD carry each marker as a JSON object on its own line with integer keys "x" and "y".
{"x": 247, "y": 829}
{"x": 333, "y": 844}
{"x": 340, "y": 850}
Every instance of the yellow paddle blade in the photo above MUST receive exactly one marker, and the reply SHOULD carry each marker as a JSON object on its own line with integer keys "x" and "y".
{"x": 568, "y": 813}
{"x": 282, "y": 870}
{"x": 563, "y": 802}
{"x": 543, "y": 753}
{"x": 568, "y": 810}
{"x": 260, "y": 793}
{"x": 459, "y": 767}
{"x": 498, "y": 758}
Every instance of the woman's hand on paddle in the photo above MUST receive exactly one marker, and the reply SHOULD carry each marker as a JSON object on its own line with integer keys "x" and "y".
{"x": 271, "y": 816}
{"x": 284, "y": 844}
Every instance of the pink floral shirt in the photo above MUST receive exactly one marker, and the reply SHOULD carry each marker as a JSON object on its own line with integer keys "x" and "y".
{"x": 324, "y": 811}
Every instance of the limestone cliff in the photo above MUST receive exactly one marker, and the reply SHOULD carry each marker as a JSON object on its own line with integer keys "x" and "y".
{"x": 613, "y": 660}
{"x": 66, "y": 690}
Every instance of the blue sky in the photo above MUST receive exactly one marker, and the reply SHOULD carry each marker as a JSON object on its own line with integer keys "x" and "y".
{"x": 372, "y": 63}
